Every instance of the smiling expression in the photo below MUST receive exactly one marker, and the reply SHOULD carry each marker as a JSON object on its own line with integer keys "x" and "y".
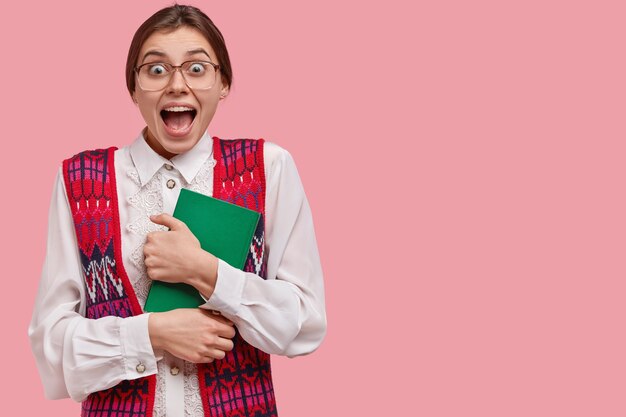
{"x": 176, "y": 47}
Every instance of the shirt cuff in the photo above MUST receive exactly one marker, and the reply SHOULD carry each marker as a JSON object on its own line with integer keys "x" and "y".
{"x": 139, "y": 357}
{"x": 226, "y": 297}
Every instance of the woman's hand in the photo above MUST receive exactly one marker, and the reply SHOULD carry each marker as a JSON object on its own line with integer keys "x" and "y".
{"x": 192, "y": 334}
{"x": 176, "y": 256}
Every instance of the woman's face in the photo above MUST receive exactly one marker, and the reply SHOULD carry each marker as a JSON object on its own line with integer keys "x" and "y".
{"x": 171, "y": 133}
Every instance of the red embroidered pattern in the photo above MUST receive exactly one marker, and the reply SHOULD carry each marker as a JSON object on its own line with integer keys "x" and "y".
{"x": 90, "y": 184}
{"x": 241, "y": 383}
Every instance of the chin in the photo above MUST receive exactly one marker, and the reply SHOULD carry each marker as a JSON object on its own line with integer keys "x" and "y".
{"x": 180, "y": 145}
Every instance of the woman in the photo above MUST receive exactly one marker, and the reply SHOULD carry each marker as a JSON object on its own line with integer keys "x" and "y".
{"x": 108, "y": 239}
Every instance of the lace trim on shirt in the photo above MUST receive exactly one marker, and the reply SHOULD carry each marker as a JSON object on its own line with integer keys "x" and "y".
{"x": 203, "y": 181}
{"x": 193, "y": 401}
{"x": 148, "y": 200}
{"x": 159, "y": 397}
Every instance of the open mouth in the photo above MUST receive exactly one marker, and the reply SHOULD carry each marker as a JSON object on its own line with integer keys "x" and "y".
{"x": 178, "y": 118}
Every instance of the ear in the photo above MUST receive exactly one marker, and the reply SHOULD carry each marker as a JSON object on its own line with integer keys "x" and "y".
{"x": 224, "y": 92}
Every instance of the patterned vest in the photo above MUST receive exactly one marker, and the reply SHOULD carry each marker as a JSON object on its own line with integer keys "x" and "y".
{"x": 240, "y": 385}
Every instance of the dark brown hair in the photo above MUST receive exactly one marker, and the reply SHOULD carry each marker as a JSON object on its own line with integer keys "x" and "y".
{"x": 169, "y": 19}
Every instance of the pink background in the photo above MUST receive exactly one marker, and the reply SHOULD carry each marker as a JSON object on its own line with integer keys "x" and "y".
{"x": 465, "y": 166}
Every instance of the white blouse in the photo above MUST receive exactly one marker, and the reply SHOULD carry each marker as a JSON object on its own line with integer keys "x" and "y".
{"x": 284, "y": 314}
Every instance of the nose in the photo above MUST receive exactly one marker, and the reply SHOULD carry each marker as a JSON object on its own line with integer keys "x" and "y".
{"x": 177, "y": 82}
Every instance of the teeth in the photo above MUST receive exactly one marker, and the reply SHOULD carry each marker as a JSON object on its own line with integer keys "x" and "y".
{"x": 179, "y": 108}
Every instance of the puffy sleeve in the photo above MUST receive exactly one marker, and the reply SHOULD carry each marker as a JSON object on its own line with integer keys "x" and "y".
{"x": 75, "y": 355}
{"x": 284, "y": 314}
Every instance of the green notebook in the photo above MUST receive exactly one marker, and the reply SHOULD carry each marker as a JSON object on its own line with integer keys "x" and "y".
{"x": 223, "y": 229}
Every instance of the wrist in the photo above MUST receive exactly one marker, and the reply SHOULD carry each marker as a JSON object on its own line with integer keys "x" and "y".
{"x": 153, "y": 330}
{"x": 206, "y": 273}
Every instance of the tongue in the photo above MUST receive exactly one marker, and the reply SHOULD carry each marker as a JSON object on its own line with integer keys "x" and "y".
{"x": 177, "y": 120}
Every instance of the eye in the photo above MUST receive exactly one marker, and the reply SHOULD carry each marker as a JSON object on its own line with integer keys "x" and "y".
{"x": 196, "y": 68}
{"x": 156, "y": 69}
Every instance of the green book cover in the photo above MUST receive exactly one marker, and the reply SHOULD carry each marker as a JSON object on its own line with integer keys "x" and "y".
{"x": 223, "y": 229}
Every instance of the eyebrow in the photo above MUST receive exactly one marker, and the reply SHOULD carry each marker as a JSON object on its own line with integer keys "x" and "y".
{"x": 163, "y": 54}
{"x": 198, "y": 51}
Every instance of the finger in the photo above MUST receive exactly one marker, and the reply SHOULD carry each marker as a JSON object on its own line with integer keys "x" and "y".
{"x": 222, "y": 319}
{"x": 216, "y": 353}
{"x": 154, "y": 273}
{"x": 153, "y": 236}
{"x": 217, "y": 316}
{"x": 226, "y": 331}
{"x": 206, "y": 359}
{"x": 225, "y": 321}
{"x": 167, "y": 220}
{"x": 224, "y": 344}
{"x": 223, "y": 327}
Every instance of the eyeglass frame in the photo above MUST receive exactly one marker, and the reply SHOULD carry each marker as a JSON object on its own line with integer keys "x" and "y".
{"x": 175, "y": 68}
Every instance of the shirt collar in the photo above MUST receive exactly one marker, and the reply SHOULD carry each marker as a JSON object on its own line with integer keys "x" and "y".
{"x": 148, "y": 162}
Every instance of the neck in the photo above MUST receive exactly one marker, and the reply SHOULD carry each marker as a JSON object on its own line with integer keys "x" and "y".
{"x": 155, "y": 145}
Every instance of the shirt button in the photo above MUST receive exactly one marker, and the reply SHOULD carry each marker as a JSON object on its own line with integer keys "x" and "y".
{"x": 174, "y": 370}
{"x": 169, "y": 167}
{"x": 141, "y": 368}
{"x": 171, "y": 184}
